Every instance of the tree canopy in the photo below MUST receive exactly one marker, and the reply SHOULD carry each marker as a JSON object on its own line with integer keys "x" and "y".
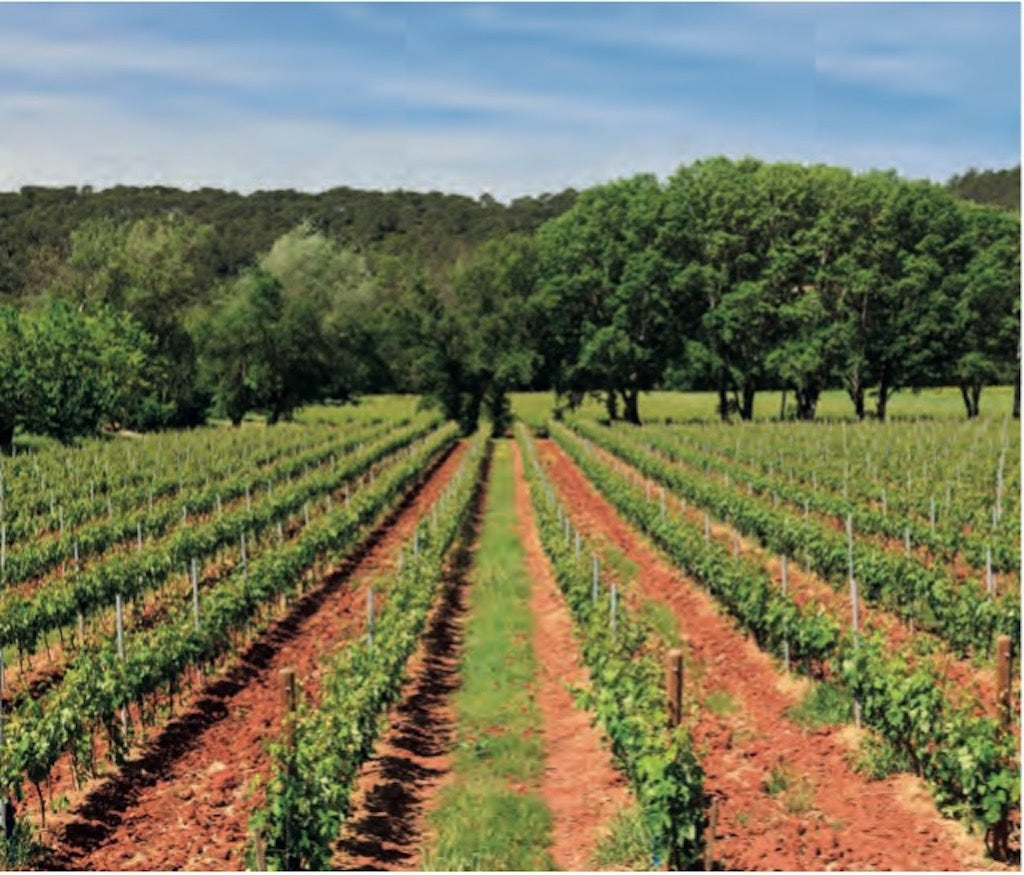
{"x": 155, "y": 307}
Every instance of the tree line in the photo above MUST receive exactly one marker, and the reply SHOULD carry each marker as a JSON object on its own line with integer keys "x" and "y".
{"x": 733, "y": 276}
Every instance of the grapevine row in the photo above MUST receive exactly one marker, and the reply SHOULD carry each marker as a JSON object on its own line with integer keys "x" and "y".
{"x": 314, "y": 772}
{"x": 62, "y": 600}
{"x": 627, "y": 695}
{"x": 962, "y": 614}
{"x": 968, "y": 759}
{"x": 102, "y": 682}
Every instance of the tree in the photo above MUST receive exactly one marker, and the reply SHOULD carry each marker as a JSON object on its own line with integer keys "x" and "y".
{"x": 983, "y": 334}
{"x": 717, "y": 235}
{"x": 324, "y": 339}
{"x": 607, "y": 297}
{"x": 12, "y": 377}
{"x": 82, "y": 368}
{"x": 238, "y": 345}
{"x": 156, "y": 269}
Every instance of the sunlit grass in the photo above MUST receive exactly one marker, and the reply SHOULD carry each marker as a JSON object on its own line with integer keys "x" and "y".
{"x": 490, "y": 817}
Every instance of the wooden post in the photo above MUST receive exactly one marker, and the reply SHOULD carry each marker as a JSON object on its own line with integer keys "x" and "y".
{"x": 184, "y": 515}
{"x": 595, "y": 582}
{"x": 220, "y": 507}
{"x": 906, "y": 540}
{"x": 248, "y": 498}
{"x": 709, "y": 836}
{"x": 60, "y": 516}
{"x": 369, "y": 616}
{"x": 1003, "y": 684}
{"x": 785, "y": 590}
{"x": 120, "y": 654}
{"x": 119, "y": 607}
{"x": 577, "y": 545}
{"x": 614, "y": 608}
{"x": 138, "y": 535}
{"x": 288, "y": 691}
{"x": 305, "y": 512}
{"x": 931, "y": 513}
{"x": 245, "y": 564}
{"x": 195, "y": 594}
{"x": 674, "y": 686}
{"x": 260, "y": 845}
{"x": 280, "y": 530}
{"x": 853, "y": 603}
{"x": 990, "y": 584}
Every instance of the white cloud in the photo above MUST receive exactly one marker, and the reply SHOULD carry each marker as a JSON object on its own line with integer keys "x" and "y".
{"x": 892, "y": 71}
{"x": 66, "y": 59}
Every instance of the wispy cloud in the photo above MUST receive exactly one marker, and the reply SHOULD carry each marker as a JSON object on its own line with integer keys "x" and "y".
{"x": 510, "y": 99}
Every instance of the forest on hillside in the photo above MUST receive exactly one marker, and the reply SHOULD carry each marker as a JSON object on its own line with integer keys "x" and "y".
{"x": 154, "y": 307}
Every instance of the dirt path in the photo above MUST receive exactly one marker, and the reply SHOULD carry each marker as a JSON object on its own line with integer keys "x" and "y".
{"x": 788, "y": 798}
{"x": 185, "y": 802}
{"x": 580, "y": 786}
{"x": 411, "y": 761}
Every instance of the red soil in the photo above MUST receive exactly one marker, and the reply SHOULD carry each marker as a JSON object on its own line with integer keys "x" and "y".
{"x": 827, "y": 816}
{"x": 580, "y": 786}
{"x": 185, "y": 802}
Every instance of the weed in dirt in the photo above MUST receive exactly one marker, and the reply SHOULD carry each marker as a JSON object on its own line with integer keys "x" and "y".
{"x": 799, "y": 796}
{"x": 627, "y": 846}
{"x": 624, "y": 569}
{"x": 795, "y": 792}
{"x": 824, "y": 705}
{"x": 777, "y": 781}
{"x": 721, "y": 703}
{"x": 876, "y": 759}
{"x": 743, "y": 818}
{"x": 660, "y": 617}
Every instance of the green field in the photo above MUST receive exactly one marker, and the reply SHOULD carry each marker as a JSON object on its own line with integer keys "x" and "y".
{"x": 944, "y": 403}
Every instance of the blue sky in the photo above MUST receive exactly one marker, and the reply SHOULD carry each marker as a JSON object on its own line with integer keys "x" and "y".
{"x": 509, "y": 99}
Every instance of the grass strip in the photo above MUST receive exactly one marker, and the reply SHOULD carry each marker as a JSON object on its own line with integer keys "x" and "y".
{"x": 491, "y": 816}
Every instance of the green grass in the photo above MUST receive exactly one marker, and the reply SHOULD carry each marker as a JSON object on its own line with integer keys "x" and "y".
{"x": 490, "y": 817}
{"x": 535, "y": 408}
{"x": 627, "y": 847}
{"x": 721, "y": 703}
{"x": 824, "y": 705}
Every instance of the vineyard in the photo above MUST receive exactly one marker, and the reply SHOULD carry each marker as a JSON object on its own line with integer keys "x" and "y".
{"x": 365, "y": 640}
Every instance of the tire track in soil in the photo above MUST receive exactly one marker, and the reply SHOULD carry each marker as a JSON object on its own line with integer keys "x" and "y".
{"x": 580, "y": 785}
{"x": 842, "y": 821}
{"x": 185, "y": 801}
{"x": 411, "y": 761}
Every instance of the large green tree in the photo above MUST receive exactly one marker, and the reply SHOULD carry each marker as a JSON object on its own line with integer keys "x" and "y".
{"x": 157, "y": 269}
{"x": 608, "y": 295}
{"x": 983, "y": 336}
{"x": 82, "y": 368}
